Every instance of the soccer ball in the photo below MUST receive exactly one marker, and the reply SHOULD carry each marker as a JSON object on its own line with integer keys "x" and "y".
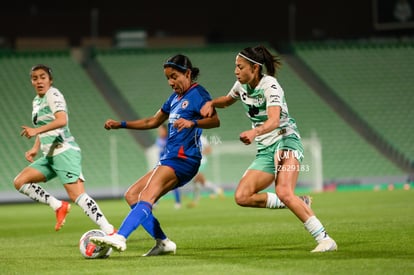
{"x": 90, "y": 250}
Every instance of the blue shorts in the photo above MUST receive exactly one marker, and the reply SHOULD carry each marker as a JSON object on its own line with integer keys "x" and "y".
{"x": 184, "y": 169}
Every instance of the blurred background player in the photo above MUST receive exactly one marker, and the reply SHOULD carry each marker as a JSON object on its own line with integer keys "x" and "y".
{"x": 161, "y": 142}
{"x": 200, "y": 181}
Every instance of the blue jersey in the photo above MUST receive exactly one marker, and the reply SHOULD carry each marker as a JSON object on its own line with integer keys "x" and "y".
{"x": 186, "y": 143}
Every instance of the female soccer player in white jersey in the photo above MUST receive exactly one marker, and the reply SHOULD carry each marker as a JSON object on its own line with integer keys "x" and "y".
{"x": 61, "y": 154}
{"x": 279, "y": 146}
{"x": 180, "y": 161}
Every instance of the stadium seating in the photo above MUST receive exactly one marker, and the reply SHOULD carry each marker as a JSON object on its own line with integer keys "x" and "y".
{"x": 374, "y": 78}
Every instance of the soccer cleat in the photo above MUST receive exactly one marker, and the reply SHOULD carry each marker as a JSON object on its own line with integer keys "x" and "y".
{"x": 61, "y": 213}
{"x": 116, "y": 241}
{"x": 307, "y": 199}
{"x": 326, "y": 245}
{"x": 219, "y": 193}
{"x": 192, "y": 204}
{"x": 111, "y": 231}
{"x": 162, "y": 247}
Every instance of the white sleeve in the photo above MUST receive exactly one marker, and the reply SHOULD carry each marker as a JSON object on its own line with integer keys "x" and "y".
{"x": 56, "y": 101}
{"x": 274, "y": 94}
{"x": 234, "y": 91}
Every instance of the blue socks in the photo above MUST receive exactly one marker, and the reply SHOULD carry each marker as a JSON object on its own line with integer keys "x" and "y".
{"x": 136, "y": 216}
{"x": 177, "y": 195}
{"x": 151, "y": 225}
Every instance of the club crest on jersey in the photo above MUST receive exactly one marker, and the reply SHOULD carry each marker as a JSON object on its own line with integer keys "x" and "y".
{"x": 259, "y": 100}
{"x": 184, "y": 104}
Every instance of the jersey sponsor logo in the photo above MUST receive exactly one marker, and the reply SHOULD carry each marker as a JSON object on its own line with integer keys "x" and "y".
{"x": 274, "y": 99}
{"x": 255, "y": 100}
{"x": 69, "y": 175}
{"x": 253, "y": 110}
{"x": 59, "y": 104}
{"x": 173, "y": 117}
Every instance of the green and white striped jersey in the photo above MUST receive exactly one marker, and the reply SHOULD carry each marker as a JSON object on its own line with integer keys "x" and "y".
{"x": 55, "y": 141}
{"x": 255, "y": 102}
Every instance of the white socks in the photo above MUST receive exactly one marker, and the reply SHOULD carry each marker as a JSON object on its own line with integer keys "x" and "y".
{"x": 37, "y": 193}
{"x": 212, "y": 187}
{"x": 92, "y": 210}
{"x": 316, "y": 229}
{"x": 273, "y": 201}
{"x": 89, "y": 206}
{"x": 196, "y": 191}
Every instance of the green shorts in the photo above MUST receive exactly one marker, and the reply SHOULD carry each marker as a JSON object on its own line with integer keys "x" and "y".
{"x": 265, "y": 157}
{"x": 66, "y": 166}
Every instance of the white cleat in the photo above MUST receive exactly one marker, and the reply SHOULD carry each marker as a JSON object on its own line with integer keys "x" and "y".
{"x": 326, "y": 245}
{"x": 162, "y": 247}
{"x": 116, "y": 241}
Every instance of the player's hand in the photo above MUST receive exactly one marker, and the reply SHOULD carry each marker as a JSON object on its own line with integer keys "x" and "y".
{"x": 207, "y": 110}
{"x": 30, "y": 155}
{"x": 112, "y": 124}
{"x": 28, "y": 132}
{"x": 247, "y": 137}
{"x": 182, "y": 123}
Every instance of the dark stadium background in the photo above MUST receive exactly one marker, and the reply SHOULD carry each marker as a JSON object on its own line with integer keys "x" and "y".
{"x": 219, "y": 21}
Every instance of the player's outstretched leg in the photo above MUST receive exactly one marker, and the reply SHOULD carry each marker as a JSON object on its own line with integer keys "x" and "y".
{"x": 116, "y": 241}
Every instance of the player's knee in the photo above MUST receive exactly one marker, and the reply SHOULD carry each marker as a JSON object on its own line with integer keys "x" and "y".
{"x": 241, "y": 198}
{"x": 127, "y": 196}
{"x": 18, "y": 183}
{"x": 285, "y": 195}
{"x": 130, "y": 198}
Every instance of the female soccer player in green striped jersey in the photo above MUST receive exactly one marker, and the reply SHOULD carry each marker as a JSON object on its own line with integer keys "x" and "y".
{"x": 61, "y": 156}
{"x": 279, "y": 146}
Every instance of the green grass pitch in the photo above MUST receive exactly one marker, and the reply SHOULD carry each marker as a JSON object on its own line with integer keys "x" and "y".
{"x": 374, "y": 231}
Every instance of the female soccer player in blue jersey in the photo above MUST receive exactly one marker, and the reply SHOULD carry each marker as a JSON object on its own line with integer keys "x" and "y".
{"x": 279, "y": 146}
{"x": 61, "y": 156}
{"x": 181, "y": 160}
